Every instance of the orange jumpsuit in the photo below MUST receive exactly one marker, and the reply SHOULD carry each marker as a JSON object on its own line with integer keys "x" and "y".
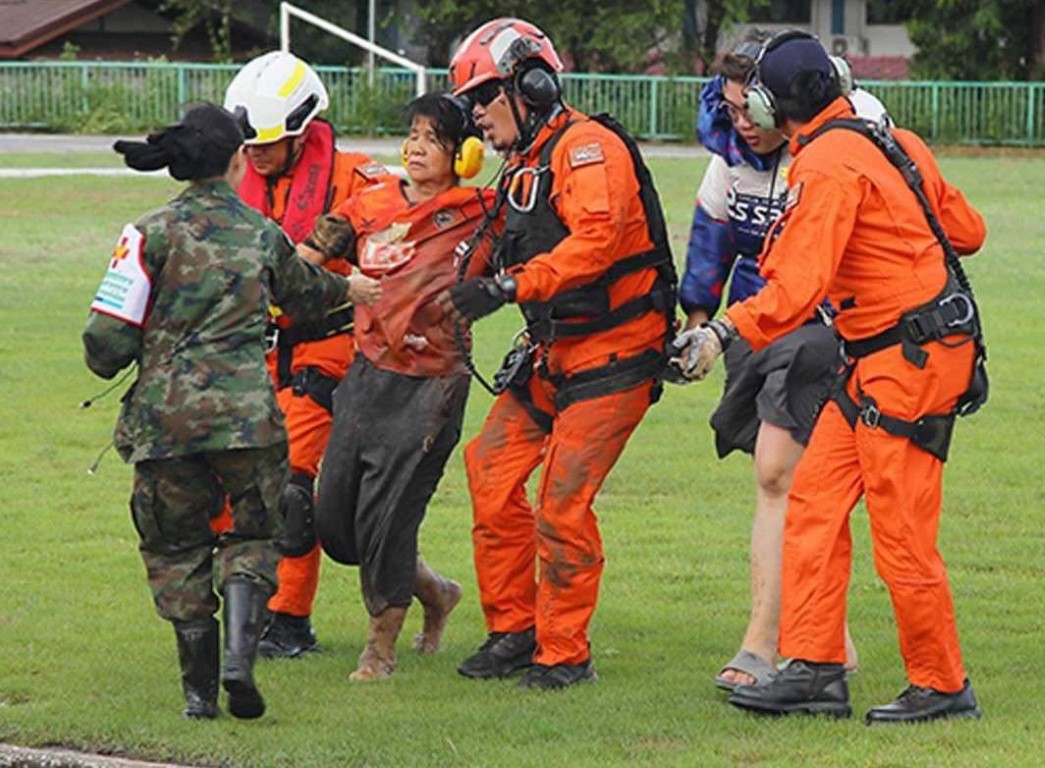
{"x": 862, "y": 240}
{"x": 308, "y": 423}
{"x": 595, "y": 193}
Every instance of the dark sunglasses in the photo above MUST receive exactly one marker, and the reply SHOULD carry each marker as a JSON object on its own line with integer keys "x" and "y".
{"x": 482, "y": 95}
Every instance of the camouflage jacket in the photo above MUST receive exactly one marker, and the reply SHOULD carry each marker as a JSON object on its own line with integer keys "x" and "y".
{"x": 213, "y": 266}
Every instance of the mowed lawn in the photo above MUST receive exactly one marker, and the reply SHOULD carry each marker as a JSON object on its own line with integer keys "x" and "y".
{"x": 85, "y": 662}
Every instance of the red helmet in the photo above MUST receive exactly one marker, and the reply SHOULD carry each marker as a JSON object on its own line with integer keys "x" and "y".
{"x": 496, "y": 49}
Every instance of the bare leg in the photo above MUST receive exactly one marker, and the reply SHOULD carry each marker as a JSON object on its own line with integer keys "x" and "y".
{"x": 776, "y": 456}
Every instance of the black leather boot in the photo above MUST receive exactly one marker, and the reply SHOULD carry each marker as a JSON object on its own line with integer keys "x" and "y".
{"x": 802, "y": 686}
{"x": 919, "y": 705}
{"x": 244, "y": 613}
{"x": 198, "y": 656}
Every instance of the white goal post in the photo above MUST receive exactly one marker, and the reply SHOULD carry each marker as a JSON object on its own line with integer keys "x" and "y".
{"x": 286, "y": 10}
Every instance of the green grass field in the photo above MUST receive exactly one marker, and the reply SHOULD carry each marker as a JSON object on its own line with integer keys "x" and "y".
{"x": 85, "y": 662}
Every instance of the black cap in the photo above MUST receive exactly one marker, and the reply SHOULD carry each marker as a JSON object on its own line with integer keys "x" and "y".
{"x": 782, "y": 64}
{"x": 198, "y": 147}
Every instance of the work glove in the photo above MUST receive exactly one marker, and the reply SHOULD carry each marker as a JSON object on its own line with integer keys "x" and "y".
{"x": 480, "y": 296}
{"x": 332, "y": 235}
{"x": 697, "y": 349}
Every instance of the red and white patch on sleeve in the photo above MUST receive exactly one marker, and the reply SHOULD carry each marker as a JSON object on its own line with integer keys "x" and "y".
{"x": 793, "y": 196}
{"x": 588, "y": 154}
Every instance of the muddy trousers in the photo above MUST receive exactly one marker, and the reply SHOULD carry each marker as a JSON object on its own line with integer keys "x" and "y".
{"x": 559, "y": 533}
{"x": 391, "y": 439}
{"x": 902, "y": 487}
{"x": 172, "y": 503}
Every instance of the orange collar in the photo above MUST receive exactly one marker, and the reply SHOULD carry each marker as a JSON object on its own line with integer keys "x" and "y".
{"x": 550, "y": 128}
{"x": 840, "y": 107}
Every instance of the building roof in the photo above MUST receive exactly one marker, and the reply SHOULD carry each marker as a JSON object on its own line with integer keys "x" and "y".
{"x": 880, "y": 67}
{"x": 27, "y": 24}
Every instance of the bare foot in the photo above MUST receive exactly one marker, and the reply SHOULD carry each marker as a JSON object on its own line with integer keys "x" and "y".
{"x": 427, "y": 641}
{"x": 372, "y": 667}
{"x": 736, "y": 677}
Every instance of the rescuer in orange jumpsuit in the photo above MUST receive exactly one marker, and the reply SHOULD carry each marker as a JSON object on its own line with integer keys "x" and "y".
{"x": 585, "y": 255}
{"x": 854, "y": 232}
{"x": 295, "y": 175}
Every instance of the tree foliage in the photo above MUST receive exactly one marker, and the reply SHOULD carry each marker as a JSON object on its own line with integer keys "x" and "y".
{"x": 612, "y": 36}
{"x": 975, "y": 39}
{"x": 213, "y": 16}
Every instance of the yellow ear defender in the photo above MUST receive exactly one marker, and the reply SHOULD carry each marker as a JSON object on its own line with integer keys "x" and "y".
{"x": 468, "y": 160}
{"x": 404, "y": 154}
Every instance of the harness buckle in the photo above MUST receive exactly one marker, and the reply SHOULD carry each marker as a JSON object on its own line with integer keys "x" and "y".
{"x": 970, "y": 309}
{"x": 520, "y": 198}
{"x": 870, "y": 415}
{"x": 271, "y": 337}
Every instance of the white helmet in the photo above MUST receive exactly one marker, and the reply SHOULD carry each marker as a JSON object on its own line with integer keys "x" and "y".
{"x": 275, "y": 95}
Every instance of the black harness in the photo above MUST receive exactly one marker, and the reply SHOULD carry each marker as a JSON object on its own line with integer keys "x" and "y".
{"x": 308, "y": 381}
{"x": 532, "y": 227}
{"x": 952, "y": 313}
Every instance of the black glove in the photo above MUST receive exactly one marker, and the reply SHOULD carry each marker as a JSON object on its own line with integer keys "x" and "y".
{"x": 480, "y": 296}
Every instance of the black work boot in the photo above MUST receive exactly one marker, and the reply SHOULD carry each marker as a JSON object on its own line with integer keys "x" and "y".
{"x": 552, "y": 676}
{"x": 287, "y": 637}
{"x": 919, "y": 705}
{"x": 244, "y": 612}
{"x": 198, "y": 656}
{"x": 802, "y": 686}
{"x": 503, "y": 654}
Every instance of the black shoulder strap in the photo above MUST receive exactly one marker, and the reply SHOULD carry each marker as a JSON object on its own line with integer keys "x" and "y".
{"x": 880, "y": 135}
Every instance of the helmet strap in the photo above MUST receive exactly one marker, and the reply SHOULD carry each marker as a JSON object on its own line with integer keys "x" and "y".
{"x": 528, "y": 126}
{"x": 294, "y": 150}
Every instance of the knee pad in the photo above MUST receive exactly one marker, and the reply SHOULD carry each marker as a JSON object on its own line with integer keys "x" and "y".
{"x": 299, "y": 519}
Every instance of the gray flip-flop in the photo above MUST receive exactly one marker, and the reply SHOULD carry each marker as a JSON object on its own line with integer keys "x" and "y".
{"x": 750, "y": 664}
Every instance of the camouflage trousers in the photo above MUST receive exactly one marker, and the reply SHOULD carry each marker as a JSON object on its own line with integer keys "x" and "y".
{"x": 172, "y": 503}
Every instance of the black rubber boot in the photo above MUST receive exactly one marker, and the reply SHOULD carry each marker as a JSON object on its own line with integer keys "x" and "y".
{"x": 919, "y": 705}
{"x": 198, "y": 656}
{"x": 804, "y": 687}
{"x": 503, "y": 654}
{"x": 244, "y": 612}
{"x": 287, "y": 637}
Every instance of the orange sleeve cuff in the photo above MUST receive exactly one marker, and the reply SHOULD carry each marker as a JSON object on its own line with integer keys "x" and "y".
{"x": 746, "y": 326}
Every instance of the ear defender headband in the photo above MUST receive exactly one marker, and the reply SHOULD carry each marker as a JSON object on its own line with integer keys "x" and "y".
{"x": 761, "y": 105}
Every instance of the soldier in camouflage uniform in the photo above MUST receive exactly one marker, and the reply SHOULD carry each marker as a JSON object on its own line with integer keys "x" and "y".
{"x": 185, "y": 297}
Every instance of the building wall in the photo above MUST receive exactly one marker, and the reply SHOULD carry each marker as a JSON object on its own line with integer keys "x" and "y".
{"x": 858, "y": 37}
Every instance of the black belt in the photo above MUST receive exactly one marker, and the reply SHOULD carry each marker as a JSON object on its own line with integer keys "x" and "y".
{"x": 931, "y": 432}
{"x": 950, "y": 313}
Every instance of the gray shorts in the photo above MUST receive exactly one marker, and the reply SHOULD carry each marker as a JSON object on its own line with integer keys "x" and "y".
{"x": 785, "y": 384}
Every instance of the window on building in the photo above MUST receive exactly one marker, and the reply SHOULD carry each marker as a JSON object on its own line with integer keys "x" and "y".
{"x": 887, "y": 12}
{"x": 782, "y": 12}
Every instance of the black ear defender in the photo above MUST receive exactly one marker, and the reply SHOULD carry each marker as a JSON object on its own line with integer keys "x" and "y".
{"x": 538, "y": 87}
{"x": 761, "y": 104}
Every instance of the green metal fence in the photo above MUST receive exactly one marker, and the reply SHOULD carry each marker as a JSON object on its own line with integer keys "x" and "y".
{"x": 120, "y": 96}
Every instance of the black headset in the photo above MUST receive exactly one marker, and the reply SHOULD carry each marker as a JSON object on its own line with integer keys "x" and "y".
{"x": 538, "y": 87}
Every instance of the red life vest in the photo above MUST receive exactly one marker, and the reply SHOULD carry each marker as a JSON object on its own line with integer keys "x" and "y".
{"x": 309, "y": 187}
